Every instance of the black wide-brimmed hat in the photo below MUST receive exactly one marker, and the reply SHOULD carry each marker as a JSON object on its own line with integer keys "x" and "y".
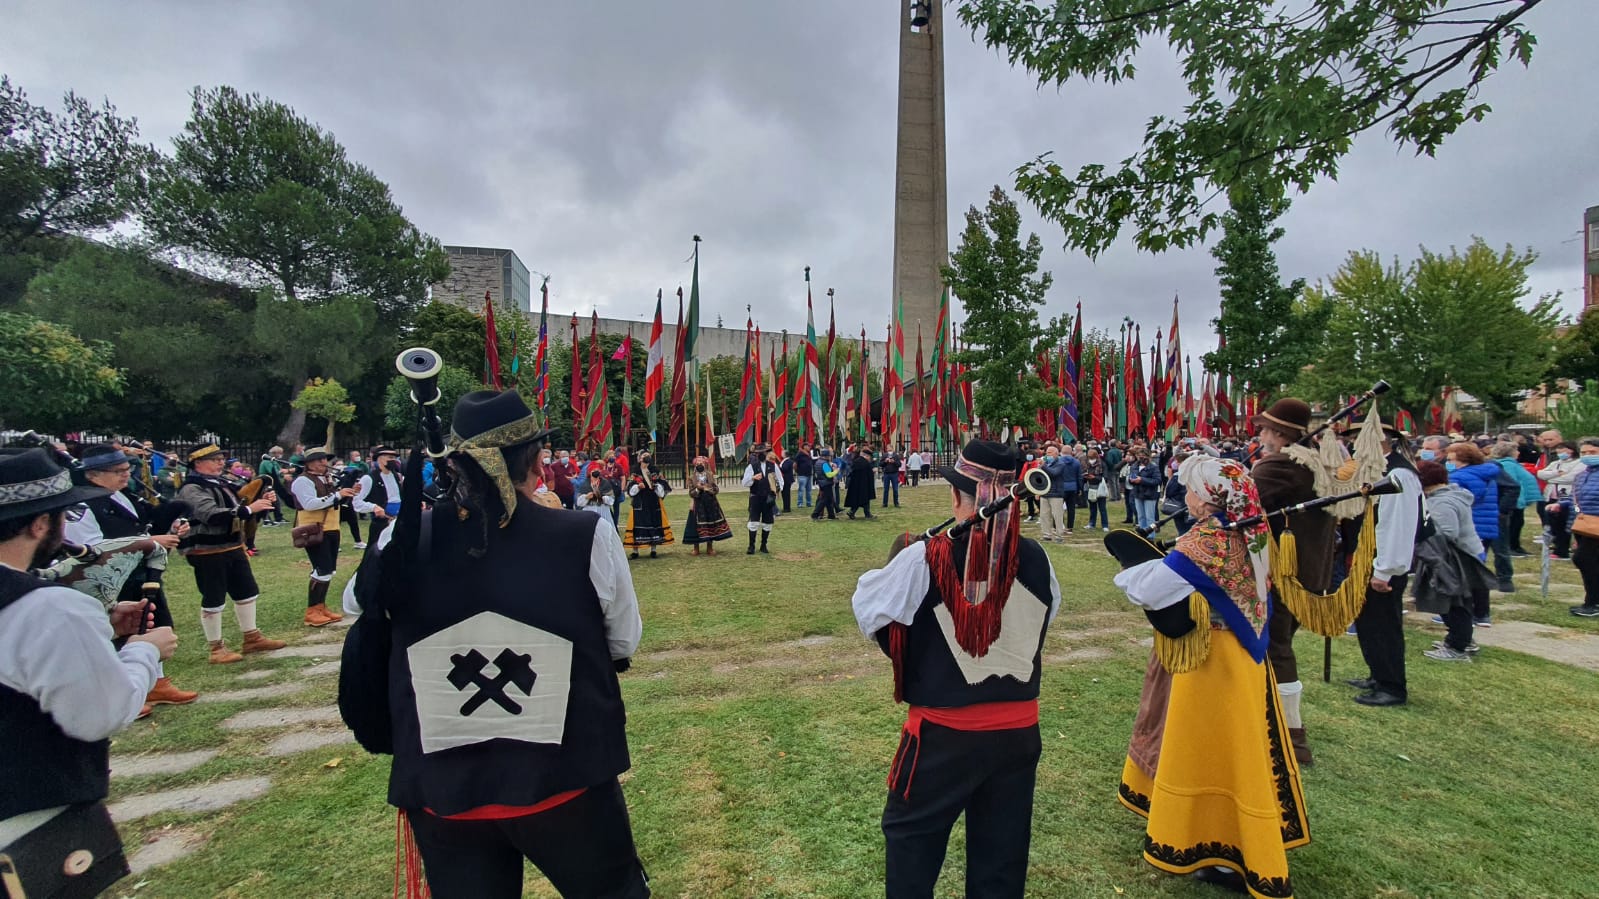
{"x": 381, "y": 450}
{"x": 1388, "y": 431}
{"x": 980, "y": 460}
{"x": 1287, "y": 415}
{"x": 495, "y": 417}
{"x": 102, "y": 455}
{"x": 32, "y": 483}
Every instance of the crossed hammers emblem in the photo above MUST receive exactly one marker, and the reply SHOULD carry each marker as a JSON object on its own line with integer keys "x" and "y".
{"x": 514, "y": 670}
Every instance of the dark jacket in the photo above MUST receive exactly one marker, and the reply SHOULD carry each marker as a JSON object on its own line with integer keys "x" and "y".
{"x": 1482, "y": 481}
{"x": 1284, "y": 482}
{"x": 1065, "y": 475}
{"x": 1149, "y": 482}
{"x": 802, "y": 464}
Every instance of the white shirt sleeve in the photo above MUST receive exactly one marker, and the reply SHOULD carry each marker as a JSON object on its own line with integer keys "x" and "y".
{"x": 1054, "y": 594}
{"x": 749, "y": 476}
{"x": 363, "y": 487}
{"x": 893, "y": 592}
{"x": 1396, "y": 526}
{"x": 582, "y": 500}
{"x": 1153, "y": 586}
{"x": 55, "y": 646}
{"x": 633, "y": 490}
{"x": 85, "y": 531}
{"x": 660, "y": 489}
{"x": 613, "y": 581}
{"x": 777, "y": 480}
{"x": 305, "y": 496}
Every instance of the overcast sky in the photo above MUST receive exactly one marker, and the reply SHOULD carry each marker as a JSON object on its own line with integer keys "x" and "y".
{"x": 595, "y": 138}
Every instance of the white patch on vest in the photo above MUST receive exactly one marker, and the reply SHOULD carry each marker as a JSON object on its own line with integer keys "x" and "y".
{"x": 443, "y": 712}
{"x": 1012, "y": 654}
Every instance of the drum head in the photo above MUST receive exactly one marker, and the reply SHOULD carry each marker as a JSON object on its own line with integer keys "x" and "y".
{"x": 1131, "y": 548}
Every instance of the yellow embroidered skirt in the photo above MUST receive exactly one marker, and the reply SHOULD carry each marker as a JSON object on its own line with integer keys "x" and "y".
{"x": 1226, "y": 789}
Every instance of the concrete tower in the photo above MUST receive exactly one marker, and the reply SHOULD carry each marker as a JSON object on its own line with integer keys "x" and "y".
{"x": 921, "y": 216}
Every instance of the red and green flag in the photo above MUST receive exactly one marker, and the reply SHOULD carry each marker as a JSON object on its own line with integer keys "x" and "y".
{"x": 491, "y": 346}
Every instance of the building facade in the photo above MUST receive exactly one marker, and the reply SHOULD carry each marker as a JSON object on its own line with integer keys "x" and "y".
{"x": 1590, "y": 262}
{"x": 476, "y": 271}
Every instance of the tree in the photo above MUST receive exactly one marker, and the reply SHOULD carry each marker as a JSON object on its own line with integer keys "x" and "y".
{"x": 326, "y": 399}
{"x": 1279, "y": 91}
{"x": 400, "y": 413}
{"x": 1579, "y": 414}
{"x": 1577, "y": 354}
{"x": 273, "y": 201}
{"x": 1442, "y": 321}
{"x": 74, "y": 172}
{"x": 49, "y": 376}
{"x": 184, "y": 343}
{"x": 1267, "y": 336}
{"x": 996, "y": 277}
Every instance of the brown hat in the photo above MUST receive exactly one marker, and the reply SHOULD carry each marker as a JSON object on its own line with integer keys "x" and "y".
{"x": 1288, "y": 415}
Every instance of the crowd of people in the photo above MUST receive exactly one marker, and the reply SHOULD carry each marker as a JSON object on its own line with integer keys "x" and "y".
{"x": 962, "y": 617}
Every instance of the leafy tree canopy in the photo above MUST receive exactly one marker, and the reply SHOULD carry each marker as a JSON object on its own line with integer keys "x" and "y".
{"x": 1577, "y": 354}
{"x": 995, "y": 274}
{"x": 328, "y": 400}
{"x": 1443, "y": 320}
{"x": 1266, "y": 335}
{"x": 73, "y": 171}
{"x": 48, "y": 375}
{"x": 1279, "y": 91}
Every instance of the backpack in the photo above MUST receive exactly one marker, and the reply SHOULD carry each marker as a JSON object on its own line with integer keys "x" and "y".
{"x": 1509, "y": 491}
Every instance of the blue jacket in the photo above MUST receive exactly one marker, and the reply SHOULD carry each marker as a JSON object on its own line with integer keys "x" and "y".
{"x": 1065, "y": 475}
{"x": 1584, "y": 493}
{"x": 1531, "y": 490}
{"x": 1149, "y": 483}
{"x": 1482, "y": 481}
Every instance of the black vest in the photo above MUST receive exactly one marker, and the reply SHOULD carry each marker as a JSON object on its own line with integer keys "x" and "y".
{"x": 471, "y": 634}
{"x": 762, "y": 489}
{"x": 41, "y": 766}
{"x": 379, "y": 494}
{"x": 934, "y": 678}
{"x": 114, "y": 519}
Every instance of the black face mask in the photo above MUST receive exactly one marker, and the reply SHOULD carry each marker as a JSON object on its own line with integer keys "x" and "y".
{"x": 392, "y": 465}
{"x": 699, "y": 468}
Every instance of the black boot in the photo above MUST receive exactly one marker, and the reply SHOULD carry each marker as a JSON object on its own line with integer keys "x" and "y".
{"x": 751, "y": 550}
{"x": 764, "y": 535}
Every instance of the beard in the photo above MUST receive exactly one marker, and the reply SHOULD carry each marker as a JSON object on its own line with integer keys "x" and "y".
{"x": 51, "y": 544}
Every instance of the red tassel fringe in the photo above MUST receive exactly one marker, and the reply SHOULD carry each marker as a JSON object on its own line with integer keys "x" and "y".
{"x": 976, "y": 625}
{"x": 408, "y": 861}
{"x": 898, "y": 634}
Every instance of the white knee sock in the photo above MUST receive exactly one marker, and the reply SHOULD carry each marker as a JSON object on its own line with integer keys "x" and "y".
{"x": 1288, "y": 696}
{"x": 244, "y": 610}
{"x": 211, "y": 624}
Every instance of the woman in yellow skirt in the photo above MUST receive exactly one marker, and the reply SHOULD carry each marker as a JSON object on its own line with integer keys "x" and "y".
{"x": 1207, "y": 764}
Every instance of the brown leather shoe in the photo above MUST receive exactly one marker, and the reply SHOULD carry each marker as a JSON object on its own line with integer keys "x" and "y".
{"x": 1296, "y": 735}
{"x": 222, "y": 655}
{"x": 145, "y": 712}
{"x": 331, "y": 615}
{"x": 163, "y": 693}
{"x": 255, "y": 641}
{"x": 317, "y": 616}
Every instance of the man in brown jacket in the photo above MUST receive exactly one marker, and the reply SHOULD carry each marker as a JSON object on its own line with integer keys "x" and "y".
{"x": 1283, "y": 482}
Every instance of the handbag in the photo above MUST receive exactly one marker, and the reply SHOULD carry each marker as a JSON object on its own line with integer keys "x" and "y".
{"x": 74, "y": 855}
{"x": 1586, "y": 526}
{"x": 306, "y": 536}
{"x": 1096, "y": 492}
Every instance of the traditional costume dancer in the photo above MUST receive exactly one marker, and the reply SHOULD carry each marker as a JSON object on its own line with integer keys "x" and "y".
{"x": 764, "y": 479}
{"x": 1282, "y": 481}
{"x": 1209, "y": 764}
{"x": 963, "y": 620}
{"x": 378, "y": 491}
{"x": 215, "y": 550}
{"x": 706, "y": 523}
{"x": 487, "y": 665}
{"x": 647, "y": 524}
{"x": 317, "y": 497}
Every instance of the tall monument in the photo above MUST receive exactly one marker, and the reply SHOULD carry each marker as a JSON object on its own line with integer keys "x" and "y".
{"x": 921, "y": 217}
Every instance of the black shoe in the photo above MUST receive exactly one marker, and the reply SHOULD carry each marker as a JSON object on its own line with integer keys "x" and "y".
{"x": 1362, "y": 683}
{"x": 1225, "y": 878}
{"x": 634, "y": 554}
{"x": 652, "y": 553}
{"x": 1379, "y": 698}
{"x": 1585, "y": 611}
{"x": 868, "y": 515}
{"x": 852, "y": 515}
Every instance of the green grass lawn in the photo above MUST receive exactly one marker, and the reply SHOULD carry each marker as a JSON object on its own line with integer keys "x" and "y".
{"x": 762, "y": 724}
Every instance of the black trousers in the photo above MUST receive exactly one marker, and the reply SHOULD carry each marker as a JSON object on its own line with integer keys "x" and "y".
{"x": 1458, "y": 620}
{"x": 352, "y": 518}
{"x": 584, "y": 847}
{"x": 826, "y": 501}
{"x": 1518, "y": 523}
{"x": 324, "y": 556}
{"x": 989, "y": 775}
{"x": 1586, "y": 558}
{"x": 220, "y": 575}
{"x": 1381, "y": 630}
{"x": 788, "y": 493}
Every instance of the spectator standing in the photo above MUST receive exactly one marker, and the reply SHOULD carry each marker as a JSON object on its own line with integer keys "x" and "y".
{"x": 1468, "y": 468}
{"x": 913, "y": 465}
{"x": 1557, "y": 473}
{"x": 786, "y": 468}
{"x": 1144, "y": 483}
{"x": 1527, "y": 493}
{"x": 1584, "y": 499}
{"x": 271, "y": 467}
{"x": 354, "y": 470}
{"x": 1448, "y": 563}
{"x": 1096, "y": 487}
{"x": 827, "y": 475}
{"x": 890, "y": 470}
{"x": 804, "y": 468}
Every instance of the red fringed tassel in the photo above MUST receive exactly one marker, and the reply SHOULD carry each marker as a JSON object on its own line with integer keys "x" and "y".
{"x": 898, "y": 634}
{"x": 408, "y": 861}
{"x": 976, "y": 625}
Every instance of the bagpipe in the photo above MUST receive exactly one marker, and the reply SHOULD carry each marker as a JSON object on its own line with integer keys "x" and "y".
{"x": 1035, "y": 481}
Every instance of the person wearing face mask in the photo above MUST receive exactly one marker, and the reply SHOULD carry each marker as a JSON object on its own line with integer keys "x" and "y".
{"x": 1030, "y": 461}
{"x": 378, "y": 491}
{"x": 1583, "y": 499}
{"x": 1557, "y": 474}
{"x": 706, "y": 523}
{"x": 1470, "y": 469}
